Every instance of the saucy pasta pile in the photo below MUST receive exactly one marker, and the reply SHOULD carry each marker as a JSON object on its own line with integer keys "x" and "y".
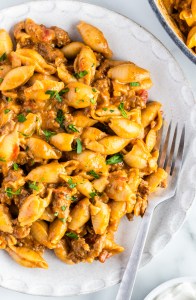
{"x": 184, "y": 14}
{"x": 77, "y": 144}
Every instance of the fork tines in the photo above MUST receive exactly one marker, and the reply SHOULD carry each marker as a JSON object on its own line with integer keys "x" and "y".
{"x": 171, "y": 148}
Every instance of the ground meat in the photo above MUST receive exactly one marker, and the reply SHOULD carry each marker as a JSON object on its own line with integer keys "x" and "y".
{"x": 103, "y": 86}
{"x": 20, "y": 232}
{"x": 61, "y": 36}
{"x": 143, "y": 188}
{"x": 49, "y": 52}
{"x": 7, "y": 128}
{"x": 61, "y": 201}
{"x": 80, "y": 248}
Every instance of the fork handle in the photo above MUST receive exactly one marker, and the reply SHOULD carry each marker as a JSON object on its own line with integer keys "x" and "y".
{"x": 128, "y": 280}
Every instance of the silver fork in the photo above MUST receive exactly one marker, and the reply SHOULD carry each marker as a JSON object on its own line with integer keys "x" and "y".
{"x": 170, "y": 158}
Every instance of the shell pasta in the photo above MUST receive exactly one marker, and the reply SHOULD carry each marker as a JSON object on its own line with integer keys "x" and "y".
{"x": 77, "y": 144}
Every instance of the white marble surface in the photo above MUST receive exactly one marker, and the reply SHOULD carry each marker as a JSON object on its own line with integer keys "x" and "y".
{"x": 179, "y": 256}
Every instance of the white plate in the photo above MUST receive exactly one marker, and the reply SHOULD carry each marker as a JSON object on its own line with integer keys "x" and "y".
{"x": 169, "y": 284}
{"x": 128, "y": 42}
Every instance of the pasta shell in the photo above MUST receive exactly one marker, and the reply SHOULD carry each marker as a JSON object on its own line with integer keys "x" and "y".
{"x": 100, "y": 184}
{"x": 39, "y": 231}
{"x": 57, "y": 230}
{"x": 94, "y": 38}
{"x": 65, "y": 75}
{"x": 41, "y": 149}
{"x": 108, "y": 145}
{"x": 118, "y": 210}
{"x": 41, "y": 77}
{"x": 27, "y": 257}
{"x": 129, "y": 72}
{"x": 28, "y": 127}
{"x": 86, "y": 61}
{"x": 150, "y": 113}
{"x": 119, "y": 190}
{"x": 80, "y": 214}
{"x": 62, "y": 141}
{"x": 47, "y": 173}
{"x": 84, "y": 186}
{"x": 6, "y": 45}
{"x": 62, "y": 251}
{"x": 4, "y": 70}
{"x": 89, "y": 160}
{"x": 31, "y": 210}
{"x": 100, "y": 219}
{"x": 151, "y": 140}
{"x": 125, "y": 128}
{"x": 138, "y": 156}
{"x": 155, "y": 179}
{"x": 80, "y": 120}
{"x": 30, "y": 57}
{"x": 92, "y": 134}
{"x": 9, "y": 146}
{"x": 71, "y": 50}
{"x": 16, "y": 77}
{"x": 79, "y": 95}
{"x": 5, "y": 219}
{"x": 191, "y": 39}
{"x": 38, "y": 90}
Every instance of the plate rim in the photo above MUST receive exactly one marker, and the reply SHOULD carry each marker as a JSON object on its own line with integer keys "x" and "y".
{"x": 187, "y": 83}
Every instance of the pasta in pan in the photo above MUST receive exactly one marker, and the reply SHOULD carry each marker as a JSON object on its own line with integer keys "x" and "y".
{"x": 77, "y": 144}
{"x": 183, "y": 12}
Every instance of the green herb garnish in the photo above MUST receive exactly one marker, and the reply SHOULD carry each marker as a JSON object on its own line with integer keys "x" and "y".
{"x": 8, "y": 99}
{"x": 10, "y": 193}
{"x": 63, "y": 220}
{"x": 6, "y": 111}
{"x": 64, "y": 91}
{"x": 56, "y": 214}
{"x": 111, "y": 110}
{"x": 134, "y": 83}
{"x": 1, "y": 79}
{"x": 71, "y": 184}
{"x": 72, "y": 235}
{"x": 76, "y": 89}
{"x": 63, "y": 207}
{"x": 48, "y": 134}
{"x": 81, "y": 74}
{"x": 117, "y": 158}
{"x": 92, "y": 100}
{"x": 15, "y": 167}
{"x": 60, "y": 117}
{"x": 93, "y": 194}
{"x": 105, "y": 108}
{"x": 94, "y": 174}
{"x": 2, "y": 159}
{"x": 24, "y": 134}
{"x": 54, "y": 95}
{"x": 79, "y": 146}
{"x": 73, "y": 128}
{"x": 122, "y": 110}
{"x": 3, "y": 57}
{"x": 21, "y": 118}
{"x": 74, "y": 198}
{"x": 33, "y": 186}
{"x": 94, "y": 90}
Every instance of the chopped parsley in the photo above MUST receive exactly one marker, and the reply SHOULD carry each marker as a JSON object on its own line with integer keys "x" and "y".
{"x": 79, "y": 146}
{"x": 6, "y": 111}
{"x": 56, "y": 95}
{"x": 80, "y": 74}
{"x": 48, "y": 134}
{"x": 10, "y": 193}
{"x": 8, "y": 99}
{"x": 76, "y": 89}
{"x": 60, "y": 117}
{"x": 71, "y": 183}
{"x": 111, "y": 110}
{"x": 21, "y": 118}
{"x": 122, "y": 110}
{"x": 134, "y": 83}
{"x": 92, "y": 100}
{"x": 15, "y": 167}
{"x": 33, "y": 186}
{"x": 74, "y": 198}
{"x": 105, "y": 108}
{"x": 72, "y": 128}
{"x": 3, "y": 57}
{"x": 2, "y": 159}
{"x": 1, "y": 79}
{"x": 117, "y": 158}
{"x": 56, "y": 214}
{"x": 72, "y": 235}
{"x": 94, "y": 174}
{"x": 63, "y": 220}
{"x": 94, "y": 90}
{"x": 24, "y": 134}
{"x": 63, "y": 207}
{"x": 93, "y": 194}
